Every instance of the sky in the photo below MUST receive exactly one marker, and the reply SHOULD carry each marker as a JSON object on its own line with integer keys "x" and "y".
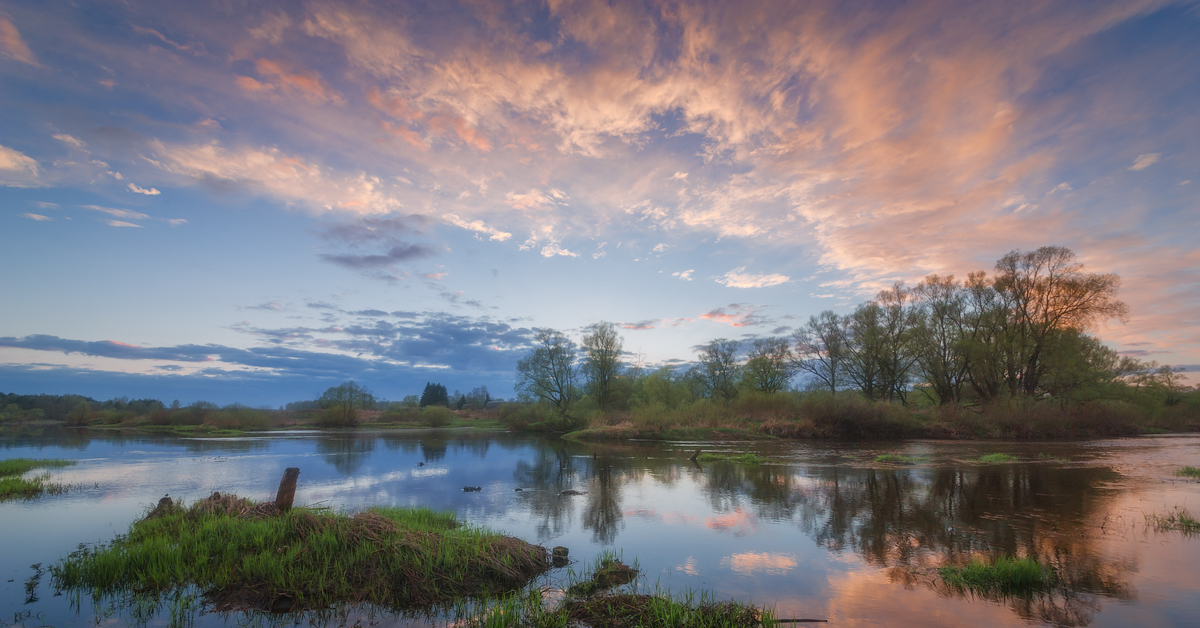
{"x": 254, "y": 201}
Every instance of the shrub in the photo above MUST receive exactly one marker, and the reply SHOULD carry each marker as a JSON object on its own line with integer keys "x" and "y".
{"x": 335, "y": 417}
{"x": 436, "y": 416}
{"x": 238, "y": 417}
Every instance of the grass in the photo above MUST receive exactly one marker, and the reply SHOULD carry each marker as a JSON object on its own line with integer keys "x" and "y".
{"x": 1189, "y": 472}
{"x": 1003, "y": 575}
{"x": 747, "y": 458}
{"x": 13, "y": 486}
{"x": 994, "y": 458}
{"x": 1178, "y": 520}
{"x": 899, "y": 458}
{"x": 592, "y": 601}
{"x": 244, "y": 556}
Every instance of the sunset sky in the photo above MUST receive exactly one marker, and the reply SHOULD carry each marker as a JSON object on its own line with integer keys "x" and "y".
{"x": 245, "y": 201}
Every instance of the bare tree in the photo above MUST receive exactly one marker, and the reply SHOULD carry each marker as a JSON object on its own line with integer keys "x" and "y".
{"x": 718, "y": 370}
{"x": 548, "y": 372}
{"x": 821, "y": 348}
{"x": 601, "y": 367}
{"x": 770, "y": 365}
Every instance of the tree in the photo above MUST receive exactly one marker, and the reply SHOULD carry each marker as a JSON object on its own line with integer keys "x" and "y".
{"x": 434, "y": 395}
{"x": 939, "y": 337}
{"x": 548, "y": 372}
{"x": 479, "y": 397}
{"x": 663, "y": 386}
{"x": 718, "y": 369}
{"x": 81, "y": 414}
{"x": 601, "y": 366}
{"x": 342, "y": 403}
{"x": 821, "y": 348}
{"x": 770, "y": 365}
{"x": 1046, "y": 291}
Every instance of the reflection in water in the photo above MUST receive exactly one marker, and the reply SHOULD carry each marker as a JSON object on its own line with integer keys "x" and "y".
{"x": 770, "y": 532}
{"x": 914, "y": 520}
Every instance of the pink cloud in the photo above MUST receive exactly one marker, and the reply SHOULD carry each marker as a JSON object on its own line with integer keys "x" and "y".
{"x": 13, "y": 45}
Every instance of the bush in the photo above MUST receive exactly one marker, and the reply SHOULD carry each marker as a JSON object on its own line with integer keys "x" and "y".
{"x": 436, "y": 416}
{"x": 238, "y": 417}
{"x": 397, "y": 413}
{"x": 335, "y": 417}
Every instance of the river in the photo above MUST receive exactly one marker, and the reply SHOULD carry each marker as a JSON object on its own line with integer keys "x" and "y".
{"x": 822, "y": 531}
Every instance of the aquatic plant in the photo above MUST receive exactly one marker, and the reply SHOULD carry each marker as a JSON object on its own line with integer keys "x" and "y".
{"x": 746, "y": 458}
{"x": 995, "y": 458}
{"x": 13, "y": 486}
{"x": 1189, "y": 472}
{"x": 898, "y": 458}
{"x": 1178, "y": 520}
{"x": 244, "y": 555}
{"x": 1003, "y": 575}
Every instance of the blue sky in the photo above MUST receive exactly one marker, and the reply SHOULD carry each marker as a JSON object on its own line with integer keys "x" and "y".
{"x": 254, "y": 202}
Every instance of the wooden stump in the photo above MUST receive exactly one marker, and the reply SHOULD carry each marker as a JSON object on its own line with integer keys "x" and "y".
{"x": 287, "y": 488}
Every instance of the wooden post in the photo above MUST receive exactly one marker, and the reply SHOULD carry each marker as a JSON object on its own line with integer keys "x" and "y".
{"x": 695, "y": 454}
{"x": 287, "y": 488}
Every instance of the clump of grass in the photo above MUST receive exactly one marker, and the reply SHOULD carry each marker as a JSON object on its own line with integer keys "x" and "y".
{"x": 1189, "y": 472}
{"x": 747, "y": 458}
{"x": 244, "y": 555}
{"x": 1003, "y": 575}
{"x": 590, "y": 602}
{"x": 13, "y": 486}
{"x": 898, "y": 458}
{"x": 995, "y": 458}
{"x": 1177, "y": 520}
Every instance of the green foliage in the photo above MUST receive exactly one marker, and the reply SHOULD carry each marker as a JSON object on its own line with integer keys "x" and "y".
{"x": 747, "y": 458}
{"x": 434, "y": 395}
{"x": 436, "y": 416}
{"x": 245, "y": 556}
{"x": 1178, "y": 520}
{"x": 238, "y": 417}
{"x": 1012, "y": 576}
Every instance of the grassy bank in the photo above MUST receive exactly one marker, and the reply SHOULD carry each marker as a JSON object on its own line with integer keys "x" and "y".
{"x": 849, "y": 416}
{"x": 244, "y": 555}
{"x": 13, "y": 486}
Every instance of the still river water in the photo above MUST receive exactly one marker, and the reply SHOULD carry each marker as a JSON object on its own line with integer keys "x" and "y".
{"x": 823, "y": 533}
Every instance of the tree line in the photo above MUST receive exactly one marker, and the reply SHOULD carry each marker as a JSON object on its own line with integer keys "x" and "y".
{"x": 1021, "y": 331}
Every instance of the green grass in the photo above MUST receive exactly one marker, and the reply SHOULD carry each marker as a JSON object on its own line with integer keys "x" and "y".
{"x": 13, "y": 486}
{"x": 899, "y": 458}
{"x": 248, "y": 556}
{"x": 1189, "y": 472}
{"x": 747, "y": 458}
{"x": 995, "y": 458}
{"x": 1178, "y": 520}
{"x": 1004, "y": 576}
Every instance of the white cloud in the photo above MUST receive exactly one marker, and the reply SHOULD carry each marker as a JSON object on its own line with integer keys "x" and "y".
{"x": 175, "y": 222}
{"x": 660, "y": 247}
{"x": 1061, "y": 187}
{"x": 554, "y": 248}
{"x": 479, "y": 227}
{"x": 737, "y": 279}
{"x": 685, "y": 275}
{"x": 1145, "y": 161}
{"x": 16, "y": 161}
{"x": 117, "y": 213}
{"x": 679, "y": 176}
{"x": 67, "y": 139}
{"x": 120, "y": 223}
{"x": 37, "y": 217}
{"x": 133, "y": 187}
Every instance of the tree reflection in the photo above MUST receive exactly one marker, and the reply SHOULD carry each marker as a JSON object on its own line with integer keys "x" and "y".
{"x": 914, "y": 520}
{"x": 348, "y": 452}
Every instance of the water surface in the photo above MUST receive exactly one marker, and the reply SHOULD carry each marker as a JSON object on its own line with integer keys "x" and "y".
{"x": 823, "y": 532}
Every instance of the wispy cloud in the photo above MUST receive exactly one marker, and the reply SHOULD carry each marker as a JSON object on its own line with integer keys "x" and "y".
{"x": 12, "y": 45}
{"x": 37, "y": 217}
{"x": 1145, "y": 161}
{"x": 737, "y": 315}
{"x": 738, "y": 279}
{"x": 133, "y": 187}
{"x": 117, "y": 213}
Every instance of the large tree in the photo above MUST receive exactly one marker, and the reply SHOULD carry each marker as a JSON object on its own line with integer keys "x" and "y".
{"x": 1047, "y": 291}
{"x": 770, "y": 365}
{"x": 821, "y": 349}
{"x": 342, "y": 403}
{"x": 547, "y": 373}
{"x": 601, "y": 367}
{"x": 719, "y": 370}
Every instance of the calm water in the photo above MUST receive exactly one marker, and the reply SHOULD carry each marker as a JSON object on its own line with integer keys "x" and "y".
{"x": 825, "y": 533}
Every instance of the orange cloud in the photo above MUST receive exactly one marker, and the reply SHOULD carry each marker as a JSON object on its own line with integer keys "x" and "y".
{"x": 283, "y": 75}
